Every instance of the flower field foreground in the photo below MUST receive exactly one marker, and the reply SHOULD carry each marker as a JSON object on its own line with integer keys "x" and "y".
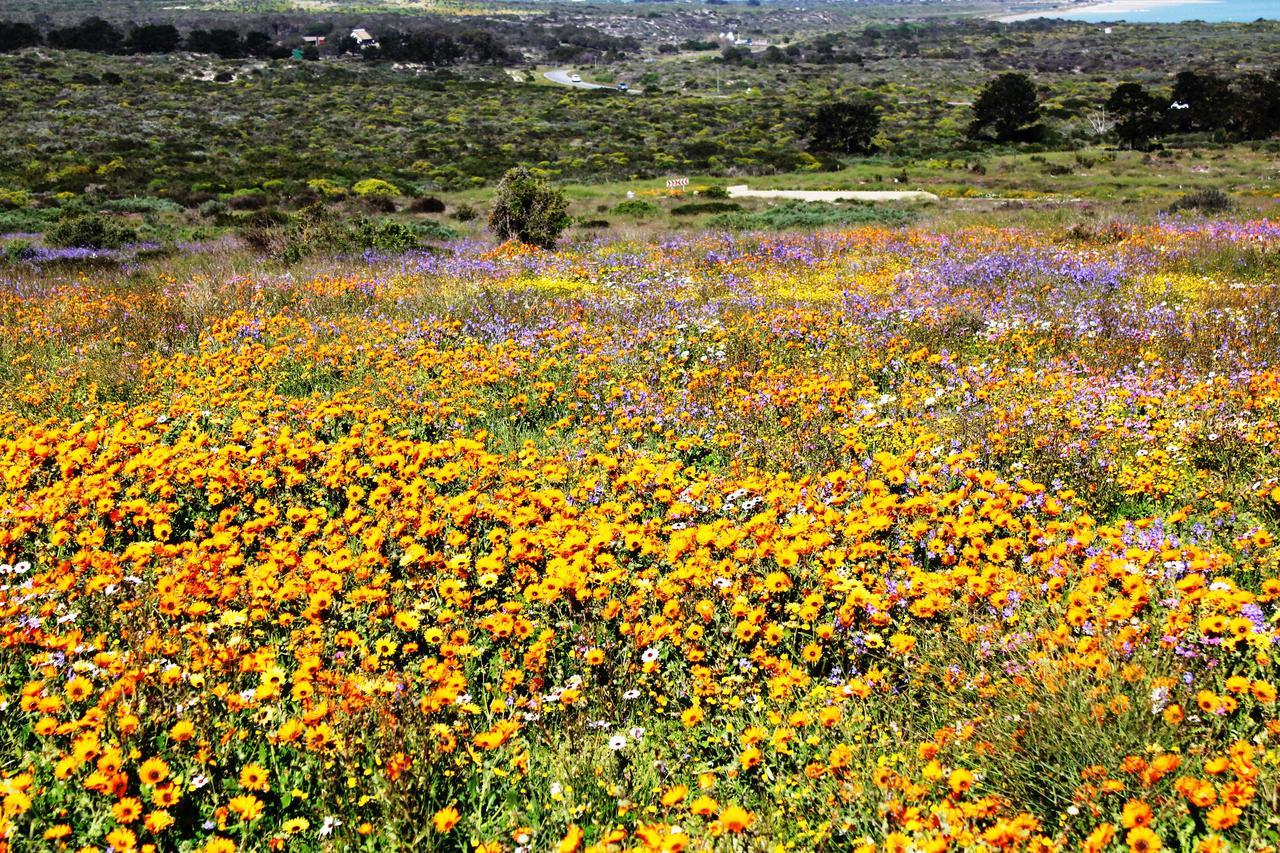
{"x": 873, "y": 540}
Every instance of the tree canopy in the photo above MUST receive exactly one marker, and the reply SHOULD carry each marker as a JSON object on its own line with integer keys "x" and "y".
{"x": 1009, "y": 108}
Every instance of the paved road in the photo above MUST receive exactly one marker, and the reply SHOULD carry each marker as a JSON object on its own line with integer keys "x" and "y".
{"x": 562, "y": 77}
{"x": 741, "y": 191}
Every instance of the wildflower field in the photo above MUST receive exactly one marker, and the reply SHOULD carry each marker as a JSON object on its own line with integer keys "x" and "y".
{"x": 877, "y": 540}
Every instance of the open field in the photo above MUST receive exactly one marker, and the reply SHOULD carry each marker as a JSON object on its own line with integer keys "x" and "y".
{"x": 896, "y": 538}
{"x": 858, "y": 432}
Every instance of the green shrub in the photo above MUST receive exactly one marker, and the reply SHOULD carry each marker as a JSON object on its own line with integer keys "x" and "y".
{"x": 1204, "y": 201}
{"x": 25, "y": 220}
{"x": 432, "y": 230}
{"x": 316, "y": 230}
{"x": 527, "y": 209}
{"x": 10, "y": 199}
{"x": 635, "y": 207}
{"x": 18, "y": 250}
{"x": 464, "y": 213}
{"x": 143, "y": 204}
{"x": 211, "y": 208}
{"x": 716, "y": 191}
{"x": 375, "y": 187}
{"x": 326, "y": 188}
{"x": 94, "y": 232}
{"x": 802, "y": 215}
{"x": 253, "y": 199}
{"x": 698, "y": 207}
{"x": 385, "y": 235}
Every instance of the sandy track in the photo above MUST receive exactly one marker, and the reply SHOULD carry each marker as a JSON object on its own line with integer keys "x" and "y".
{"x": 741, "y": 191}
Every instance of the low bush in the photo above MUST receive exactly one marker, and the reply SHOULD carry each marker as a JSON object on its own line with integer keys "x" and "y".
{"x": 432, "y": 230}
{"x": 464, "y": 213}
{"x": 385, "y": 235}
{"x": 17, "y": 251}
{"x": 427, "y": 204}
{"x": 316, "y": 230}
{"x": 635, "y": 207}
{"x": 143, "y": 204}
{"x": 326, "y": 188}
{"x": 810, "y": 215}
{"x": 11, "y": 199}
{"x": 699, "y": 207}
{"x": 92, "y": 232}
{"x": 377, "y": 204}
{"x": 247, "y": 201}
{"x": 25, "y": 220}
{"x": 1203, "y": 201}
{"x": 375, "y": 187}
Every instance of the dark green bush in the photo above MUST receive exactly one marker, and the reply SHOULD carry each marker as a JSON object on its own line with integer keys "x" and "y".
{"x": 93, "y": 232}
{"x": 24, "y": 221}
{"x": 17, "y": 250}
{"x": 527, "y": 209}
{"x": 635, "y": 207}
{"x": 811, "y": 215}
{"x": 464, "y": 213}
{"x": 385, "y": 235}
{"x": 143, "y": 204}
{"x": 1203, "y": 201}
{"x": 427, "y": 204}
{"x": 432, "y": 230}
{"x": 698, "y": 207}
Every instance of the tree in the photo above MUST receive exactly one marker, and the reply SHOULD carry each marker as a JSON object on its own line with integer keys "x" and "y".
{"x": 223, "y": 42}
{"x": 1009, "y": 107}
{"x": 1257, "y": 104}
{"x": 484, "y": 48}
{"x": 91, "y": 34}
{"x": 774, "y": 55}
{"x": 1138, "y": 115}
{"x": 843, "y": 127}
{"x": 527, "y": 209}
{"x": 258, "y": 43}
{"x": 153, "y": 38}
{"x": 15, "y": 35}
{"x": 1199, "y": 103}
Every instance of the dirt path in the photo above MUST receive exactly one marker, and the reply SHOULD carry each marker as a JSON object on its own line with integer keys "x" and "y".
{"x": 741, "y": 191}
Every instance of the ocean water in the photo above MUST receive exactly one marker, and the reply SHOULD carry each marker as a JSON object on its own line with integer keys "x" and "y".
{"x": 1172, "y": 13}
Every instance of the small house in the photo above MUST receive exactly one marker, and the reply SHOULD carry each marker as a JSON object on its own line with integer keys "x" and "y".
{"x": 363, "y": 39}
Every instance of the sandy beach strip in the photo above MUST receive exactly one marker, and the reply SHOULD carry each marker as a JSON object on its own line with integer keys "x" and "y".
{"x": 1108, "y": 7}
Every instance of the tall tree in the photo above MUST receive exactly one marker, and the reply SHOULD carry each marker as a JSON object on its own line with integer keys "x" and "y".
{"x": 1200, "y": 103}
{"x": 843, "y": 127}
{"x": 1009, "y": 108}
{"x": 153, "y": 38}
{"x": 92, "y": 34}
{"x": 222, "y": 42}
{"x": 1257, "y": 105}
{"x": 15, "y": 35}
{"x": 1138, "y": 115}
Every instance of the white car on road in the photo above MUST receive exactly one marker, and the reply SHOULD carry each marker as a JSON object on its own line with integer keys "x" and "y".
{"x": 575, "y": 78}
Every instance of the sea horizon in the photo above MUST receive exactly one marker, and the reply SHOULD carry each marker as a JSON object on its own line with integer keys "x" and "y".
{"x": 1165, "y": 12}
